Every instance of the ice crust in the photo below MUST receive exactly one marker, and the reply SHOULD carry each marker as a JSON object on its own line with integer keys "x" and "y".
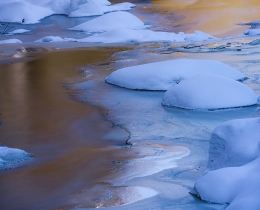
{"x": 235, "y": 163}
{"x": 165, "y": 74}
{"x": 10, "y": 157}
{"x": 209, "y": 92}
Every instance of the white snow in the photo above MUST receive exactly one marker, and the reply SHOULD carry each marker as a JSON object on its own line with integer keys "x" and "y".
{"x": 10, "y": 41}
{"x": 252, "y": 32}
{"x": 209, "y": 92}
{"x": 19, "y": 31}
{"x": 165, "y": 74}
{"x": 124, "y": 34}
{"x": 10, "y": 157}
{"x": 111, "y": 21}
{"x": 234, "y": 143}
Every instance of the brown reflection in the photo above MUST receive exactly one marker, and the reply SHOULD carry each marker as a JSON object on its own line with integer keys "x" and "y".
{"x": 65, "y": 136}
{"x": 217, "y": 17}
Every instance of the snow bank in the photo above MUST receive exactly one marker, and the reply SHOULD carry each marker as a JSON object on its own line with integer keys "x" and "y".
{"x": 209, "y": 92}
{"x": 234, "y": 143}
{"x": 111, "y": 21}
{"x": 10, "y": 157}
{"x": 163, "y": 75}
{"x": 125, "y": 34}
{"x": 10, "y": 41}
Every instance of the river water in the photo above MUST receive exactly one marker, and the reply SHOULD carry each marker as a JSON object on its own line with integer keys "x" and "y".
{"x": 98, "y": 145}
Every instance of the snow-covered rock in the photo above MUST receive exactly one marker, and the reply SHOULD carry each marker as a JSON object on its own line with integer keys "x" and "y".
{"x": 111, "y": 21}
{"x": 10, "y": 157}
{"x": 234, "y": 143}
{"x": 235, "y": 153}
{"x": 165, "y": 74}
{"x": 252, "y": 32}
{"x": 50, "y": 39}
{"x": 10, "y": 41}
{"x": 125, "y": 34}
{"x": 209, "y": 92}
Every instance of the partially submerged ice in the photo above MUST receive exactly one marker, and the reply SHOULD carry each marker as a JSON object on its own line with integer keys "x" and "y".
{"x": 10, "y": 157}
{"x": 209, "y": 92}
{"x": 165, "y": 74}
{"x": 235, "y": 154}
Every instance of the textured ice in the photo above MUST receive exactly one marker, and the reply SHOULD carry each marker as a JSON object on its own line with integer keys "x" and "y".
{"x": 10, "y": 157}
{"x": 209, "y": 92}
{"x": 165, "y": 74}
{"x": 111, "y": 21}
{"x": 234, "y": 153}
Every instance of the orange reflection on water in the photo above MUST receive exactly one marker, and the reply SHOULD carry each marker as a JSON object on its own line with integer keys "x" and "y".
{"x": 217, "y": 17}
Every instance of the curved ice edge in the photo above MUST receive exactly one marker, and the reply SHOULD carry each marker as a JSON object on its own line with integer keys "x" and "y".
{"x": 11, "y": 157}
{"x": 211, "y": 109}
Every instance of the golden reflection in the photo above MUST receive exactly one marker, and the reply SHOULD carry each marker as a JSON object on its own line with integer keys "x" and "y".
{"x": 217, "y": 17}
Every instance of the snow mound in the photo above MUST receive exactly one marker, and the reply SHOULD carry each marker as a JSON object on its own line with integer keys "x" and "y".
{"x": 234, "y": 143}
{"x": 10, "y": 157}
{"x": 50, "y": 39}
{"x": 10, "y": 41}
{"x": 17, "y": 11}
{"x": 209, "y": 92}
{"x": 252, "y": 32}
{"x": 20, "y": 31}
{"x": 165, "y": 74}
{"x": 128, "y": 35}
{"x": 111, "y": 21}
